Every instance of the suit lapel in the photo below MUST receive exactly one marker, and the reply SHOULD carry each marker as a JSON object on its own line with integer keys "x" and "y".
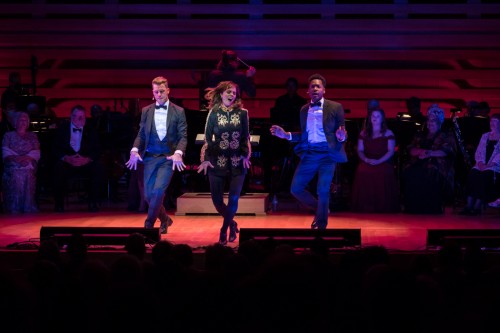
{"x": 170, "y": 114}
{"x": 327, "y": 112}
{"x": 303, "y": 115}
{"x": 150, "y": 119}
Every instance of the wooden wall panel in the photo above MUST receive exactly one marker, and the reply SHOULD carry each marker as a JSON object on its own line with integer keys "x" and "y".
{"x": 108, "y": 52}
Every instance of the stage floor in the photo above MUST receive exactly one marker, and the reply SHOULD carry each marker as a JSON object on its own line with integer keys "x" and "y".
{"x": 397, "y": 232}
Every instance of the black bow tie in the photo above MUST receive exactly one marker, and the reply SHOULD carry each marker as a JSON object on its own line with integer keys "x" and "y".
{"x": 160, "y": 107}
{"x": 315, "y": 104}
{"x": 77, "y": 129}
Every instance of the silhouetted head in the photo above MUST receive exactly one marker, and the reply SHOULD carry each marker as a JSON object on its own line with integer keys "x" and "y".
{"x": 413, "y": 105}
{"x": 228, "y": 60}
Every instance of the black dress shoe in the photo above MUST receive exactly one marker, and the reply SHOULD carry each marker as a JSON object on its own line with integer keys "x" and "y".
{"x": 314, "y": 225}
{"x": 165, "y": 224}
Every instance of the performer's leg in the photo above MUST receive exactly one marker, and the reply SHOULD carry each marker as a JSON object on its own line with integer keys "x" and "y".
{"x": 307, "y": 168}
{"x": 235, "y": 188}
{"x": 217, "y": 192}
{"x": 325, "y": 176}
{"x": 157, "y": 175}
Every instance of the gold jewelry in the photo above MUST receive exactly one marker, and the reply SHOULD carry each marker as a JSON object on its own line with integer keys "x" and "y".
{"x": 225, "y": 108}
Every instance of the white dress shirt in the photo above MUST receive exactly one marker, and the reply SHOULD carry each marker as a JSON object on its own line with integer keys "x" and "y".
{"x": 161, "y": 120}
{"x": 315, "y": 131}
{"x": 75, "y": 138}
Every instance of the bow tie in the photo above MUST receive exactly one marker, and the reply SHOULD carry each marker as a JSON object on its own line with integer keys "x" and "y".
{"x": 77, "y": 129}
{"x": 160, "y": 107}
{"x": 315, "y": 104}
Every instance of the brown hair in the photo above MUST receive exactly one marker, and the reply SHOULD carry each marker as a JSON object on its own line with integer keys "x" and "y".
{"x": 368, "y": 130}
{"x": 159, "y": 80}
{"x": 213, "y": 95}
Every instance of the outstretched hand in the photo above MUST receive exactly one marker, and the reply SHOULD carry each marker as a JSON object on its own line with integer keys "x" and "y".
{"x": 204, "y": 167}
{"x": 177, "y": 162}
{"x": 278, "y": 131}
{"x": 132, "y": 162}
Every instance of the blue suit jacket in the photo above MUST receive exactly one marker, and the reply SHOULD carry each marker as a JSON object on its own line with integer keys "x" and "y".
{"x": 333, "y": 118}
{"x": 176, "y": 128}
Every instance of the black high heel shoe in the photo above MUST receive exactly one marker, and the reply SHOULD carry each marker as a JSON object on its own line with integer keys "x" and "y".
{"x": 223, "y": 238}
{"x": 233, "y": 230}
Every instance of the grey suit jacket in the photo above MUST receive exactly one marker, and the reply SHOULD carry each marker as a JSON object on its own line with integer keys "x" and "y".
{"x": 333, "y": 118}
{"x": 176, "y": 128}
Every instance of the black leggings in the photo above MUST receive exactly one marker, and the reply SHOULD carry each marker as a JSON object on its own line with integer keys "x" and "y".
{"x": 217, "y": 190}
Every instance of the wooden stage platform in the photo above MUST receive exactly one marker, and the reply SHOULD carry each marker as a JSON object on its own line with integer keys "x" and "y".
{"x": 397, "y": 232}
{"x": 403, "y": 235}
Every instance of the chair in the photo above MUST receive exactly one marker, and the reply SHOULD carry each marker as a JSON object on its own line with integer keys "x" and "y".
{"x": 77, "y": 190}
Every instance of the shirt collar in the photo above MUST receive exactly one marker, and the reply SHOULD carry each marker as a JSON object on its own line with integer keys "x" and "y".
{"x": 322, "y": 101}
{"x": 166, "y": 103}
{"x": 73, "y": 126}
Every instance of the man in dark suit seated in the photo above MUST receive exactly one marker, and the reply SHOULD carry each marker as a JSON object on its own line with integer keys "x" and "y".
{"x": 76, "y": 152}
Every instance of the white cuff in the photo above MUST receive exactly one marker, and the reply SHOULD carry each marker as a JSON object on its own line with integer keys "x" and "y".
{"x": 135, "y": 149}
{"x": 179, "y": 152}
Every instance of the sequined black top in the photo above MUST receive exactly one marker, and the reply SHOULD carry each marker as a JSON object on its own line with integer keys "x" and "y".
{"x": 227, "y": 140}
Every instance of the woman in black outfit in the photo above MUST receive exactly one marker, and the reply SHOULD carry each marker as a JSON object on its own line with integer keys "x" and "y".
{"x": 226, "y": 152}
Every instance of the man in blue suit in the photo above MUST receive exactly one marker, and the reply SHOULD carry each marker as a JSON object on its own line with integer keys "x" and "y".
{"x": 319, "y": 146}
{"x": 160, "y": 144}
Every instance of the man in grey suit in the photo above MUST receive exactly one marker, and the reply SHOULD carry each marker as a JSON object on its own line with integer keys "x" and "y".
{"x": 160, "y": 144}
{"x": 320, "y": 147}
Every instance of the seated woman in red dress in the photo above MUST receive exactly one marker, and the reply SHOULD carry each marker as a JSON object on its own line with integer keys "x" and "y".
{"x": 375, "y": 188}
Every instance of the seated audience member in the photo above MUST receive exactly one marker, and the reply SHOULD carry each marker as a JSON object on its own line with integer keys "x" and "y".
{"x": 428, "y": 178}
{"x": 483, "y": 178}
{"x": 375, "y": 188}
{"x": 76, "y": 151}
{"x": 21, "y": 152}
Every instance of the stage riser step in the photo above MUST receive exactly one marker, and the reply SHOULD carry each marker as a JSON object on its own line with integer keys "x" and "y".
{"x": 201, "y": 203}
